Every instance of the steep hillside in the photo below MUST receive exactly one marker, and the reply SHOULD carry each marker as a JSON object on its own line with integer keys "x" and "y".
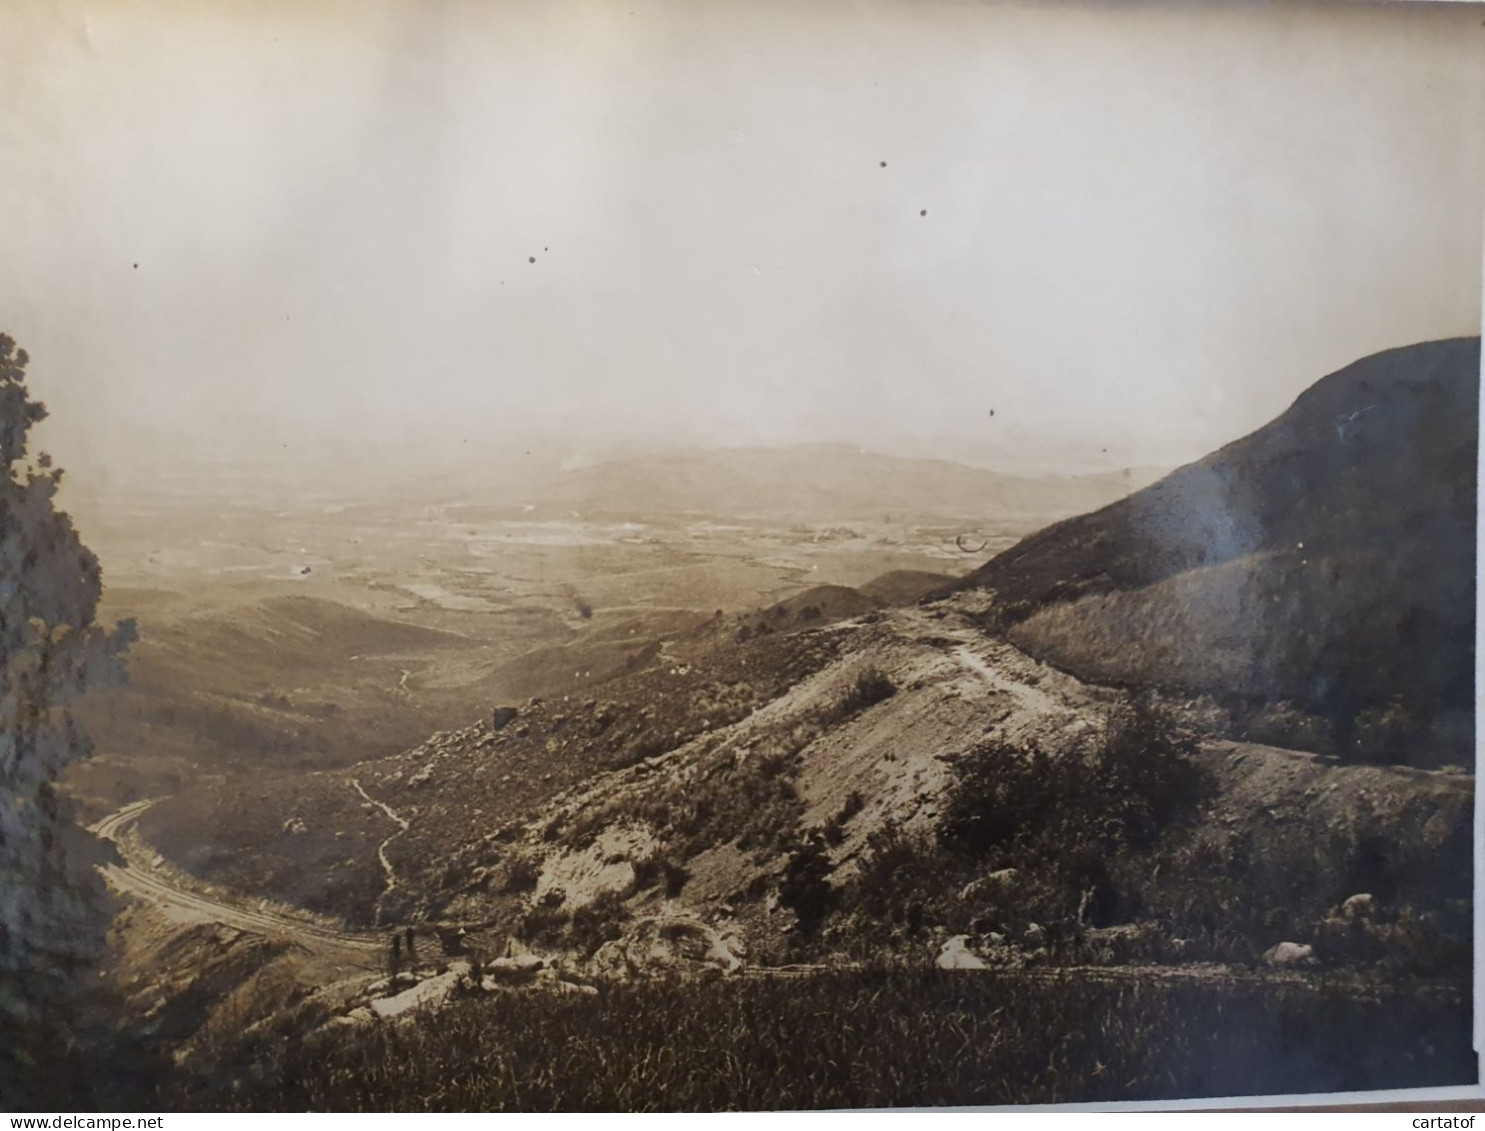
{"x": 285, "y": 682}
{"x": 1327, "y": 559}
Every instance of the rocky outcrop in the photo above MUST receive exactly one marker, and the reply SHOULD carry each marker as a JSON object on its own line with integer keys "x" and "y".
{"x": 671, "y": 944}
{"x": 1290, "y": 954}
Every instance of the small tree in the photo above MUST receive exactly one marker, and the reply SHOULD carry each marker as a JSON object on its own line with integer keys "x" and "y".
{"x": 53, "y": 908}
{"x": 806, "y": 888}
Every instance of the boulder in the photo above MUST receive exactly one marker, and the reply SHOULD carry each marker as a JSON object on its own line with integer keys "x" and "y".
{"x": 571, "y": 989}
{"x": 352, "y": 1020}
{"x": 995, "y": 883}
{"x": 501, "y": 717}
{"x": 428, "y": 992}
{"x": 514, "y": 970}
{"x": 1130, "y": 942}
{"x": 1290, "y": 954}
{"x": 1359, "y": 908}
{"x": 611, "y": 960}
{"x": 956, "y": 955}
{"x": 668, "y": 943}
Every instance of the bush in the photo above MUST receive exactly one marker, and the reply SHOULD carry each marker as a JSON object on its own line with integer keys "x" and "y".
{"x": 806, "y": 888}
{"x": 543, "y": 925}
{"x": 1000, "y": 792}
{"x": 521, "y": 874}
{"x": 835, "y": 828}
{"x": 871, "y": 686}
{"x": 1145, "y": 767}
{"x": 1135, "y": 780}
{"x": 597, "y": 922}
{"x": 897, "y": 870}
{"x": 1237, "y": 892}
{"x": 1080, "y": 825}
{"x": 676, "y": 877}
{"x": 1383, "y": 733}
{"x": 660, "y": 868}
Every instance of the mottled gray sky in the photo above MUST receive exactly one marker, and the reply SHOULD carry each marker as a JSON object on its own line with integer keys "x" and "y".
{"x": 245, "y": 228}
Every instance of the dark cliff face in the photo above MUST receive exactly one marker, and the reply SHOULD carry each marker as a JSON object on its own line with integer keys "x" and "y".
{"x": 1331, "y": 552}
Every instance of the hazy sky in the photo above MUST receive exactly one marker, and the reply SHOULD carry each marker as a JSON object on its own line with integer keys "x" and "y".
{"x": 236, "y": 227}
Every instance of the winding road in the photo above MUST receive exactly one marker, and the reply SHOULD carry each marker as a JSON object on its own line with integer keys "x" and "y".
{"x": 140, "y": 876}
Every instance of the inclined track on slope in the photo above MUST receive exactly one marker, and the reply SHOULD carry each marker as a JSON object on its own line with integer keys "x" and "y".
{"x": 137, "y": 875}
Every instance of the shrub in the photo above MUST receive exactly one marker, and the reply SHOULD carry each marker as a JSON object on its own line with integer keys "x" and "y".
{"x": 660, "y": 868}
{"x": 521, "y": 874}
{"x": 1001, "y": 791}
{"x": 871, "y": 686}
{"x": 835, "y": 828}
{"x": 806, "y": 888}
{"x": 896, "y": 870}
{"x": 597, "y": 922}
{"x": 1146, "y": 769}
{"x": 1082, "y": 823}
{"x": 1135, "y": 780}
{"x": 543, "y": 925}
{"x": 1383, "y": 733}
{"x": 676, "y": 877}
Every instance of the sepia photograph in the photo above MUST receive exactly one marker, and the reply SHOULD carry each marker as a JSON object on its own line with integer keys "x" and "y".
{"x": 737, "y": 555}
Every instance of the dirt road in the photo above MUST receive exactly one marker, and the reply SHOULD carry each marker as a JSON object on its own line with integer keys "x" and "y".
{"x": 1029, "y": 699}
{"x": 140, "y": 876}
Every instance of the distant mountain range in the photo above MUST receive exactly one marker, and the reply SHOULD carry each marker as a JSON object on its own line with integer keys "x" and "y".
{"x": 820, "y": 482}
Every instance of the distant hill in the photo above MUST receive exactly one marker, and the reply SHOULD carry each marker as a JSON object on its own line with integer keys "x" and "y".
{"x": 1327, "y": 558}
{"x": 904, "y": 586}
{"x": 824, "y": 602}
{"x": 825, "y": 482}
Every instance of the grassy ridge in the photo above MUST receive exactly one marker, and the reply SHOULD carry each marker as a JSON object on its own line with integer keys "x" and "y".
{"x": 872, "y": 1039}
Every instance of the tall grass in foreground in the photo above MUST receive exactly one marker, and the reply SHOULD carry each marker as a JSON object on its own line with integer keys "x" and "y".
{"x": 871, "y": 1039}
